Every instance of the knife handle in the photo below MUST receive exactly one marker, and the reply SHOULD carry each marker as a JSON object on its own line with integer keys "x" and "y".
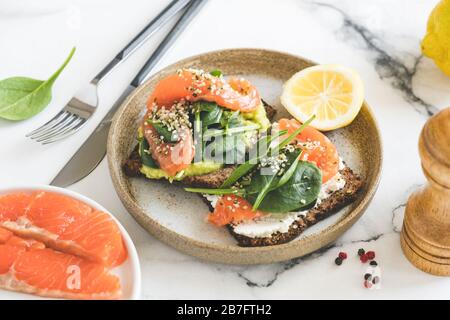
{"x": 173, "y": 34}
{"x": 164, "y": 16}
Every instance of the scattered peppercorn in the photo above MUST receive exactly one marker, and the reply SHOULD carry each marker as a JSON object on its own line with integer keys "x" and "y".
{"x": 370, "y": 255}
{"x": 364, "y": 258}
{"x": 368, "y": 276}
{"x": 361, "y": 252}
{"x": 373, "y": 263}
{"x": 367, "y": 284}
{"x": 338, "y": 261}
{"x": 375, "y": 280}
{"x": 342, "y": 255}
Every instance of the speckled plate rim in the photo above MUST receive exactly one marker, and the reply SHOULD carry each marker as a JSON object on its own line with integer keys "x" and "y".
{"x": 233, "y": 253}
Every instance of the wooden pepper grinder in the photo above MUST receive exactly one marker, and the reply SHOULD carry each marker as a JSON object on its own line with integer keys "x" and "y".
{"x": 425, "y": 236}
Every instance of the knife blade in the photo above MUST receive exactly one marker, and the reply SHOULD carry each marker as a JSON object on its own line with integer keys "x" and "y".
{"x": 93, "y": 150}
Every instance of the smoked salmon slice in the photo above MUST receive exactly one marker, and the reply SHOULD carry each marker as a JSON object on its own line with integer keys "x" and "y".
{"x": 64, "y": 224}
{"x": 27, "y": 266}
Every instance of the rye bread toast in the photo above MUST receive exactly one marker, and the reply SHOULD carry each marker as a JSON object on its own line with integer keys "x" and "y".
{"x": 336, "y": 201}
{"x": 132, "y": 165}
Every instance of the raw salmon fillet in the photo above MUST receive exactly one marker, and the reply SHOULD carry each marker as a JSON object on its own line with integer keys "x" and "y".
{"x": 64, "y": 224}
{"x": 27, "y": 266}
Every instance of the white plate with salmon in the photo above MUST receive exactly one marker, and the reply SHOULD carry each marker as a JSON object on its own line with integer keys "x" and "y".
{"x": 246, "y": 156}
{"x": 56, "y": 243}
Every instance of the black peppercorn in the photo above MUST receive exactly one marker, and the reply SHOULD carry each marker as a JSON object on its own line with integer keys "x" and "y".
{"x": 361, "y": 252}
{"x": 368, "y": 277}
{"x": 338, "y": 261}
{"x": 373, "y": 263}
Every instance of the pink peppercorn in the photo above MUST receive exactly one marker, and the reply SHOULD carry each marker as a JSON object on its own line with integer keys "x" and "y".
{"x": 367, "y": 284}
{"x": 342, "y": 255}
{"x": 370, "y": 255}
{"x": 364, "y": 258}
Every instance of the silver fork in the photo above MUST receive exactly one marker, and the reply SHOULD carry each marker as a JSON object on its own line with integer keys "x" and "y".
{"x": 83, "y": 105}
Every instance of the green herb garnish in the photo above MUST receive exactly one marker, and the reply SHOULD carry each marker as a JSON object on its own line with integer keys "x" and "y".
{"x": 216, "y": 73}
{"x": 298, "y": 193}
{"x": 292, "y": 136}
{"x": 21, "y": 97}
{"x": 144, "y": 152}
{"x": 215, "y": 191}
{"x": 164, "y": 132}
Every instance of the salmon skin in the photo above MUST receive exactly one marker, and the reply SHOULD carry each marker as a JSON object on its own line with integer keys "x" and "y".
{"x": 26, "y": 265}
{"x": 64, "y": 224}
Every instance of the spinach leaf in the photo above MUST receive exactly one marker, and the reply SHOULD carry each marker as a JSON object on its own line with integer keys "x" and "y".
{"x": 260, "y": 178}
{"x": 146, "y": 157}
{"x": 21, "y": 97}
{"x": 231, "y": 119}
{"x": 298, "y": 193}
{"x": 216, "y": 73}
{"x": 211, "y": 117}
{"x": 209, "y": 112}
{"x": 238, "y": 173}
{"x": 290, "y": 171}
{"x": 264, "y": 190}
{"x": 204, "y": 106}
{"x": 163, "y": 131}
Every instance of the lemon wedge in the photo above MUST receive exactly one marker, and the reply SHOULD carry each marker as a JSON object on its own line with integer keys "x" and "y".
{"x": 333, "y": 93}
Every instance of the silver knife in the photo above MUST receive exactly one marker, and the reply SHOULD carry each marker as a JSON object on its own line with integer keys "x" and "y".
{"x": 92, "y": 151}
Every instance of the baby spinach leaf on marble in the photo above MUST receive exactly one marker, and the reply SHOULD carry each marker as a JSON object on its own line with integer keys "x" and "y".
{"x": 21, "y": 97}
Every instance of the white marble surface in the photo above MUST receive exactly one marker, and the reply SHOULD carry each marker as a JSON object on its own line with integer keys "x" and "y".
{"x": 379, "y": 38}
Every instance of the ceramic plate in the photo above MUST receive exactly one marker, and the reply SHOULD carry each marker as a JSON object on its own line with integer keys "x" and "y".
{"x": 129, "y": 272}
{"x": 178, "y": 218}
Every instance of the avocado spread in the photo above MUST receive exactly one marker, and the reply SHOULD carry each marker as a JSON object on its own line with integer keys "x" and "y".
{"x": 194, "y": 169}
{"x": 258, "y": 116}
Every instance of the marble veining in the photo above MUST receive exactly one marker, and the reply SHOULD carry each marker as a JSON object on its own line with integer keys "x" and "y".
{"x": 388, "y": 66}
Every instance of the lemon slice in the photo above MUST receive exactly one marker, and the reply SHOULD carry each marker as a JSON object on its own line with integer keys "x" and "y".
{"x": 333, "y": 93}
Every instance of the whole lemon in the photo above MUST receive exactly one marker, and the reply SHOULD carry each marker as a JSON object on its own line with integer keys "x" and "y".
{"x": 436, "y": 43}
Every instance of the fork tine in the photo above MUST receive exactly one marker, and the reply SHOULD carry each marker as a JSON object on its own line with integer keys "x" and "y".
{"x": 52, "y": 126}
{"x": 54, "y": 129}
{"x": 69, "y": 131}
{"x": 58, "y": 128}
{"x": 49, "y": 124}
{"x": 64, "y": 130}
